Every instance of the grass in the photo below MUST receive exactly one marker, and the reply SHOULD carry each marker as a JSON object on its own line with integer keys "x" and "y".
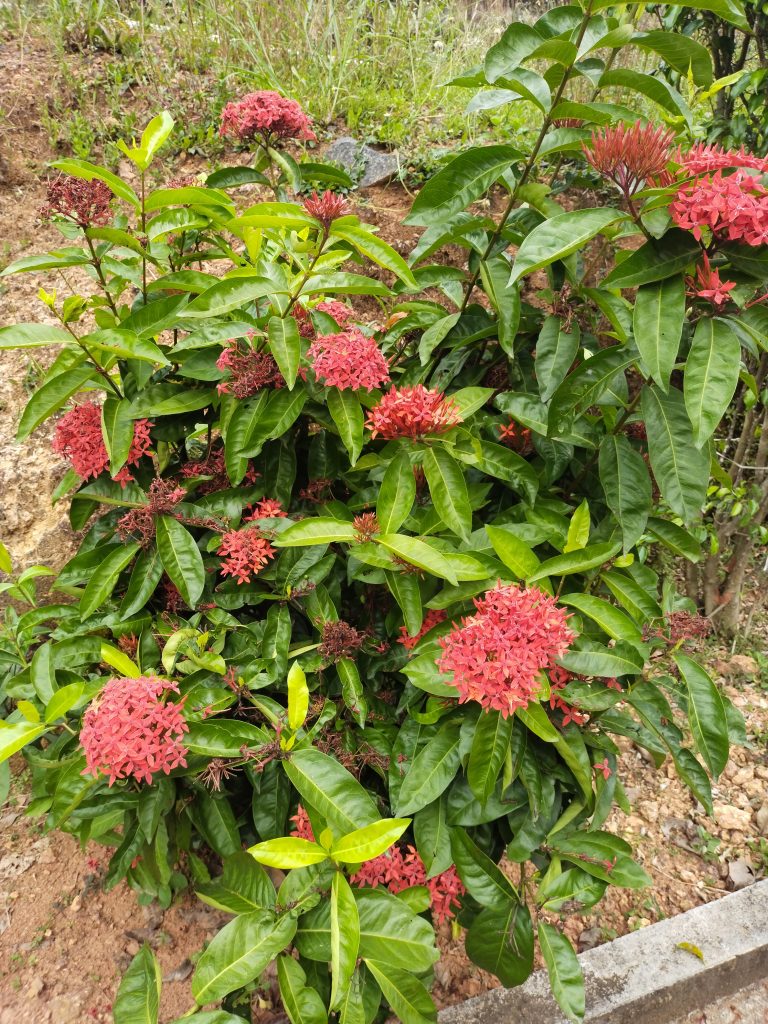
{"x": 375, "y": 68}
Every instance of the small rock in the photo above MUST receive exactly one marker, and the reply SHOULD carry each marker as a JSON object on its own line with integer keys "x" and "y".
{"x": 132, "y": 947}
{"x": 740, "y": 874}
{"x": 35, "y": 987}
{"x": 743, "y": 776}
{"x": 180, "y": 973}
{"x": 761, "y": 817}
{"x": 589, "y": 938}
{"x": 649, "y": 810}
{"x": 377, "y": 167}
{"x": 728, "y": 816}
{"x": 737, "y": 665}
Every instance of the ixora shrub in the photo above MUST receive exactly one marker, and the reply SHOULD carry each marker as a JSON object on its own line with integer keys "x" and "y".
{"x": 362, "y": 605}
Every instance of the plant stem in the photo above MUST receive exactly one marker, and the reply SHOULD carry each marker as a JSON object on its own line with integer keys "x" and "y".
{"x": 144, "y": 236}
{"x": 91, "y": 359}
{"x": 526, "y": 173}
{"x": 100, "y": 274}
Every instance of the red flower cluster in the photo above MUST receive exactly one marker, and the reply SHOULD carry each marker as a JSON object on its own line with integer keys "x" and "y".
{"x": 412, "y": 412}
{"x": 703, "y": 159}
{"x": 515, "y": 436}
{"x": 79, "y": 438}
{"x": 629, "y": 157}
{"x": 129, "y": 731}
{"x": 339, "y": 640}
{"x": 496, "y": 655}
{"x": 302, "y": 825}
{"x": 433, "y": 618}
{"x": 84, "y": 202}
{"x": 267, "y": 508}
{"x": 366, "y": 527}
{"x": 163, "y": 497}
{"x": 708, "y": 284}
{"x": 244, "y": 553}
{"x": 338, "y": 311}
{"x": 349, "y": 360}
{"x": 326, "y": 208}
{"x": 267, "y": 114}
{"x": 214, "y": 467}
{"x": 734, "y": 207}
{"x": 398, "y": 871}
{"x": 250, "y": 371}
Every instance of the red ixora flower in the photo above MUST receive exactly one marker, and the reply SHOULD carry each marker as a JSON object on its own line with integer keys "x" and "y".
{"x": 302, "y": 826}
{"x": 267, "y": 508}
{"x": 398, "y": 871}
{"x": 84, "y": 202}
{"x": 338, "y": 311}
{"x": 412, "y": 412}
{"x": 733, "y": 207}
{"x": 515, "y": 436}
{"x": 250, "y": 371}
{"x": 162, "y": 498}
{"x": 366, "y": 526}
{"x": 244, "y": 553}
{"x": 130, "y": 731}
{"x": 349, "y": 360}
{"x": 433, "y": 618}
{"x": 629, "y": 156}
{"x": 496, "y": 655}
{"x": 267, "y": 114}
{"x": 79, "y": 438}
{"x": 703, "y": 159}
{"x": 326, "y": 208}
{"x": 708, "y": 284}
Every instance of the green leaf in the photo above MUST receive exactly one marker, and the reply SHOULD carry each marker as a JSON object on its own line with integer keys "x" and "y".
{"x": 105, "y": 577}
{"x": 558, "y": 237}
{"x": 517, "y": 43}
{"x": 369, "y": 842}
{"x": 223, "y": 737}
{"x": 500, "y": 940}
{"x": 564, "y": 971}
{"x": 490, "y": 744}
{"x": 680, "y": 468}
{"x": 592, "y": 659}
{"x": 347, "y": 414}
{"x": 435, "y": 334}
{"x": 448, "y": 490}
{"x": 593, "y": 851}
{"x": 298, "y": 697}
{"x": 145, "y": 576}
{"x": 352, "y": 689}
{"x": 345, "y": 938}
{"x": 125, "y": 345}
{"x": 153, "y": 137}
{"x": 285, "y": 346}
{"x": 117, "y": 430}
{"x": 51, "y": 396}
{"x": 612, "y": 621}
{"x": 680, "y": 51}
{"x": 578, "y": 529}
{"x": 627, "y": 486}
{"x": 242, "y": 888}
{"x": 310, "y": 532}
{"x": 239, "y": 953}
{"x": 138, "y": 998}
{"x": 431, "y": 771}
{"x": 678, "y": 540}
{"x": 695, "y": 777}
{"x": 344, "y": 284}
{"x": 655, "y": 260}
{"x": 287, "y": 216}
{"x": 370, "y": 245}
{"x": 120, "y": 661}
{"x": 586, "y": 386}
{"x": 15, "y": 735}
{"x": 301, "y": 1002}
{"x": 328, "y": 787}
{"x": 483, "y": 879}
{"x": 283, "y": 409}
{"x": 656, "y": 89}
{"x": 6, "y": 565}
{"x": 513, "y": 552}
{"x": 505, "y": 299}
{"x": 706, "y": 713}
{"x": 556, "y": 351}
{"x": 181, "y": 558}
{"x": 63, "y": 700}
{"x": 711, "y": 376}
{"x": 170, "y": 400}
{"x": 228, "y": 294}
{"x": 463, "y": 180}
{"x": 419, "y": 553}
{"x": 289, "y": 852}
{"x": 397, "y": 493}
{"x": 730, "y": 10}
{"x": 405, "y": 590}
{"x": 42, "y": 673}
{"x": 244, "y": 424}
{"x": 590, "y": 557}
{"x": 88, "y": 171}
{"x": 407, "y": 996}
{"x": 657, "y": 325}
{"x": 33, "y": 336}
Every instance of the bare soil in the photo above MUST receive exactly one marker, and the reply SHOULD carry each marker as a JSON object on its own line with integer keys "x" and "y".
{"x": 64, "y": 942}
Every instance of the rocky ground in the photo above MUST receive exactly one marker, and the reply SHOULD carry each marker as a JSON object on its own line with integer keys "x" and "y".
{"x": 63, "y": 941}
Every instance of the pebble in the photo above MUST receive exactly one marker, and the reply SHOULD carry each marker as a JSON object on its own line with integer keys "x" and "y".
{"x": 378, "y": 167}
{"x": 761, "y": 817}
{"x": 728, "y": 816}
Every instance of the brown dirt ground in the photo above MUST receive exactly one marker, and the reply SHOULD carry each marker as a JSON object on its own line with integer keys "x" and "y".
{"x": 63, "y": 941}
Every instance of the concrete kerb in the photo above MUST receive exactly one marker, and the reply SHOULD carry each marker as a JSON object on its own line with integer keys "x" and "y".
{"x": 645, "y": 976}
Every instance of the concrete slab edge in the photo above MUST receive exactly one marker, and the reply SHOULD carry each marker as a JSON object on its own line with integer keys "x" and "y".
{"x": 646, "y": 976}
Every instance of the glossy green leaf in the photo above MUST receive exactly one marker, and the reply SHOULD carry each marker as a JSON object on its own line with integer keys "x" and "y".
{"x": 709, "y": 724}
{"x": 483, "y": 879}
{"x": 397, "y": 493}
{"x": 285, "y": 346}
{"x": 711, "y": 376}
{"x": 612, "y": 621}
{"x": 345, "y": 937}
{"x": 627, "y": 486}
{"x": 680, "y": 468}
{"x": 377, "y": 250}
{"x": 228, "y": 294}
{"x": 33, "y": 336}
{"x": 328, "y": 787}
{"x": 463, "y": 180}
{"x": 558, "y": 237}
{"x": 513, "y": 552}
{"x": 181, "y": 558}
{"x": 590, "y": 557}
{"x": 448, "y": 490}
{"x": 556, "y": 351}
{"x": 239, "y": 953}
{"x": 310, "y": 532}
{"x": 490, "y": 745}
{"x": 500, "y": 940}
{"x": 657, "y": 325}
{"x": 49, "y": 398}
{"x": 289, "y": 852}
{"x": 431, "y": 771}
{"x": 138, "y": 998}
{"x": 301, "y": 1002}
{"x": 104, "y": 579}
{"x": 369, "y": 842}
{"x": 347, "y": 414}
{"x": 655, "y": 260}
{"x": 407, "y": 996}
{"x": 243, "y": 887}
{"x": 419, "y": 553}
{"x": 565, "y": 975}
{"x": 595, "y": 851}
{"x": 298, "y": 697}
